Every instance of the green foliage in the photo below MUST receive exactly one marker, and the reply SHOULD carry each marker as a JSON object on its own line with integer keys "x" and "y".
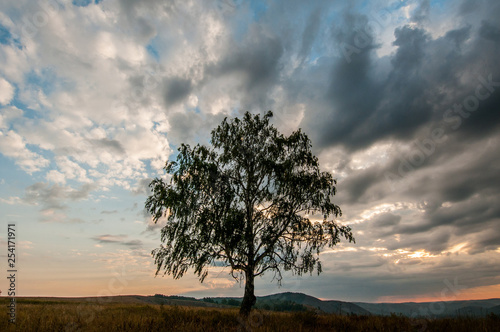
{"x": 209, "y": 300}
{"x": 285, "y": 305}
{"x": 245, "y": 202}
{"x": 232, "y": 302}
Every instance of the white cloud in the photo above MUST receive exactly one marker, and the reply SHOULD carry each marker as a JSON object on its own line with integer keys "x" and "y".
{"x": 25, "y": 245}
{"x": 14, "y": 62}
{"x": 55, "y": 177}
{"x": 70, "y": 169}
{"x": 8, "y": 114}
{"x": 12, "y": 145}
{"x": 81, "y": 71}
{"x": 6, "y": 92}
{"x": 11, "y": 200}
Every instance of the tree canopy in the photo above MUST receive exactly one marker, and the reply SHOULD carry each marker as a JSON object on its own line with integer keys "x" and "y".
{"x": 255, "y": 201}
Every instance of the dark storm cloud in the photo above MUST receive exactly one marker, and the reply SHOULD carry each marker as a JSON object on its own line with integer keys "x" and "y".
{"x": 427, "y": 77}
{"x": 423, "y": 78}
{"x": 310, "y": 33}
{"x": 486, "y": 241}
{"x": 470, "y": 188}
{"x": 385, "y": 219}
{"x": 365, "y": 108}
{"x": 459, "y": 36}
{"x": 462, "y": 183}
{"x": 435, "y": 242}
{"x": 256, "y": 59}
{"x": 490, "y": 31}
{"x": 469, "y": 217}
{"x": 469, "y": 6}
{"x": 411, "y": 43}
{"x": 433, "y": 230}
{"x": 176, "y": 89}
{"x": 352, "y": 92}
{"x": 358, "y": 183}
{"x": 484, "y": 119}
{"x": 421, "y": 14}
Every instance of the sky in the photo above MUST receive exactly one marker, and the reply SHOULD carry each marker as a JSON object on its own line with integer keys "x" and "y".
{"x": 400, "y": 99}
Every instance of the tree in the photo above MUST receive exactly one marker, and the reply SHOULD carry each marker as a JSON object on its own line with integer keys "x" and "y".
{"x": 255, "y": 201}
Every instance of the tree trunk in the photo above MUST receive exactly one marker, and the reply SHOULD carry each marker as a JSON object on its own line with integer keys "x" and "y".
{"x": 249, "y": 298}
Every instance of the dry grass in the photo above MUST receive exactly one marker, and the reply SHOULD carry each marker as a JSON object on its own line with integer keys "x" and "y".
{"x": 41, "y": 315}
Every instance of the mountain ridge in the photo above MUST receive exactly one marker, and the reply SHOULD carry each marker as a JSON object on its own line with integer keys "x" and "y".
{"x": 412, "y": 309}
{"x": 291, "y": 301}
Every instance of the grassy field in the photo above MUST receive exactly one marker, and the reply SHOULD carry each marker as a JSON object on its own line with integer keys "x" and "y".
{"x": 94, "y": 315}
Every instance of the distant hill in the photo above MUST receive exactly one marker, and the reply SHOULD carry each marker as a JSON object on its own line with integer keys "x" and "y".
{"x": 495, "y": 310}
{"x": 435, "y": 309}
{"x": 302, "y": 302}
{"x": 311, "y": 302}
{"x": 132, "y": 299}
{"x": 423, "y": 309}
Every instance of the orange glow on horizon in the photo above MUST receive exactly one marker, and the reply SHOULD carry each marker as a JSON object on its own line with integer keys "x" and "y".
{"x": 467, "y": 294}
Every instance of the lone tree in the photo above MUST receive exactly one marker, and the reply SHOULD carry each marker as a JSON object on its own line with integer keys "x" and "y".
{"x": 245, "y": 202}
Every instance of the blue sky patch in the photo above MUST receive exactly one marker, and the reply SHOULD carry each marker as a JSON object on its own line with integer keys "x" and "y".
{"x": 27, "y": 112}
{"x": 82, "y": 3}
{"x": 153, "y": 51}
{"x": 6, "y": 37}
{"x": 259, "y": 8}
{"x": 48, "y": 81}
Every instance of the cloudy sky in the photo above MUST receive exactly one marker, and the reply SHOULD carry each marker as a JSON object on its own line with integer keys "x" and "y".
{"x": 401, "y": 100}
